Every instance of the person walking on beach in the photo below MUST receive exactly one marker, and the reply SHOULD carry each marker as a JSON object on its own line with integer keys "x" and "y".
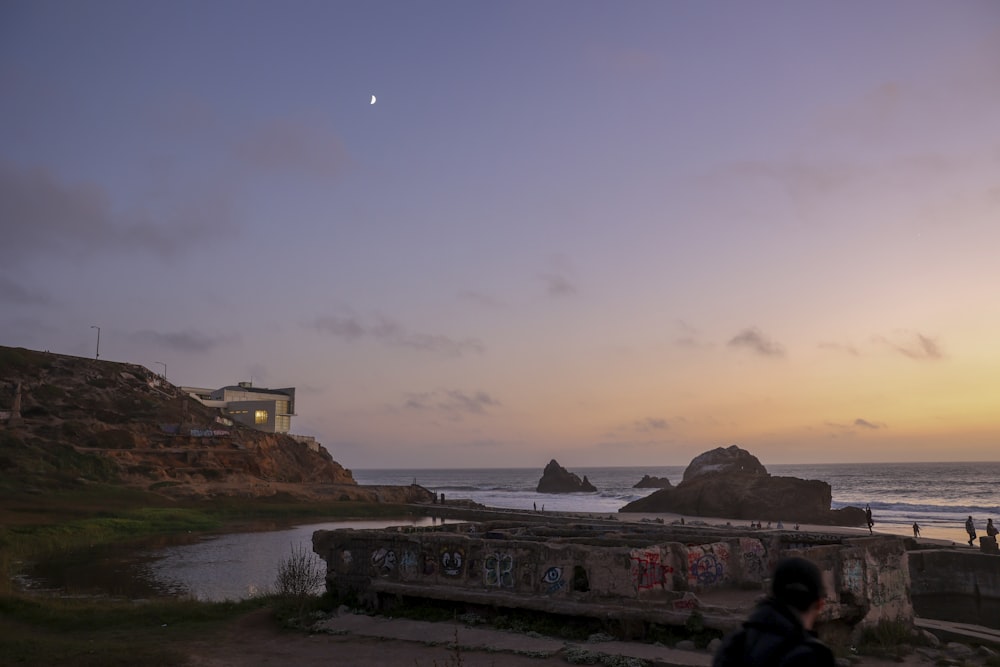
{"x": 779, "y": 630}
{"x": 970, "y": 528}
{"x": 868, "y": 517}
{"x": 916, "y": 529}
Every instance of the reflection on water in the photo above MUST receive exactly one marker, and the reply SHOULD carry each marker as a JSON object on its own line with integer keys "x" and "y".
{"x": 222, "y": 567}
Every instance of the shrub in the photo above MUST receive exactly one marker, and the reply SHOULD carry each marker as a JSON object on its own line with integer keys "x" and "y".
{"x": 300, "y": 575}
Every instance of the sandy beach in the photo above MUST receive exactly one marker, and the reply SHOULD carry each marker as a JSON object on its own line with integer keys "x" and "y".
{"x": 939, "y": 536}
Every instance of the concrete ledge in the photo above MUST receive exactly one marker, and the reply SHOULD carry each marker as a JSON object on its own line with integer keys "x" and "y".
{"x": 717, "y": 618}
{"x": 960, "y": 632}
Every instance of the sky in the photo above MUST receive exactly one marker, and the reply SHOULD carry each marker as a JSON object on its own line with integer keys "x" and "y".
{"x": 609, "y": 233}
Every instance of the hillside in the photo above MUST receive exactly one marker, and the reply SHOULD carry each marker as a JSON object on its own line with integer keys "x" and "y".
{"x": 84, "y": 420}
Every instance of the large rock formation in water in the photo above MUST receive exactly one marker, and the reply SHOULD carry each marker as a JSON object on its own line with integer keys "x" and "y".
{"x": 556, "y": 479}
{"x": 731, "y": 483}
{"x": 724, "y": 460}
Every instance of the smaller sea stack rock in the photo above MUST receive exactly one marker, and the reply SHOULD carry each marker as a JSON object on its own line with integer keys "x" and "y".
{"x": 556, "y": 479}
{"x": 648, "y": 482}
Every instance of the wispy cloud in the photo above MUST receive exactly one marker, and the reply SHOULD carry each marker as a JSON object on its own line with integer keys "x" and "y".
{"x": 752, "y": 339}
{"x": 688, "y": 336}
{"x": 850, "y": 429}
{"x": 452, "y": 403}
{"x": 185, "y": 341}
{"x": 913, "y": 345}
{"x": 388, "y": 332}
{"x": 651, "y": 424}
{"x": 840, "y": 347}
{"x": 41, "y": 214}
{"x": 486, "y": 443}
{"x": 12, "y": 292}
{"x": 557, "y": 285}
{"x": 631, "y": 444}
{"x": 294, "y": 146}
{"x": 481, "y": 299}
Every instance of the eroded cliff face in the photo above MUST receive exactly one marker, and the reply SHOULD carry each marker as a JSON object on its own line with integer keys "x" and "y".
{"x": 110, "y": 421}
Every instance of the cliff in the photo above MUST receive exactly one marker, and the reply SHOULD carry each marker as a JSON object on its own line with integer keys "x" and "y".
{"x": 87, "y": 420}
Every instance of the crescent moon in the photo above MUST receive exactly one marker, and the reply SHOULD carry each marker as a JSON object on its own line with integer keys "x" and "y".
{"x": 373, "y": 99}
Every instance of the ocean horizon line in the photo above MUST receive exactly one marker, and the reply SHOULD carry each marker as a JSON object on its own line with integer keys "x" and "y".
{"x": 683, "y": 465}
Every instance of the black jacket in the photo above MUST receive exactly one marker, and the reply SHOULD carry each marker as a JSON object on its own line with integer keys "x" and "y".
{"x": 773, "y": 636}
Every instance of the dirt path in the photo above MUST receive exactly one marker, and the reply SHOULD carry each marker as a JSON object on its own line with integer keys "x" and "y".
{"x": 254, "y": 641}
{"x": 361, "y": 641}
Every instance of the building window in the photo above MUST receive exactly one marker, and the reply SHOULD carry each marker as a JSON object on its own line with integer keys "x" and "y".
{"x": 282, "y": 424}
{"x": 260, "y": 416}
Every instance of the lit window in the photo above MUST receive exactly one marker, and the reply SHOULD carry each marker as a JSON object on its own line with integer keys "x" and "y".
{"x": 260, "y": 416}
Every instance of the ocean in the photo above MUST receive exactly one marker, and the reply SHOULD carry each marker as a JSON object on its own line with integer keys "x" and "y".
{"x": 938, "y": 496}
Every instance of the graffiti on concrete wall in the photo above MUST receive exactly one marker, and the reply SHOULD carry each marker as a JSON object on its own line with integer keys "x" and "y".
{"x": 687, "y": 603}
{"x": 430, "y": 564}
{"x": 346, "y": 557}
{"x": 384, "y": 561}
{"x": 853, "y": 577}
{"x": 649, "y": 570}
{"x": 753, "y": 558}
{"x": 887, "y": 587}
{"x": 708, "y": 564}
{"x": 452, "y": 561}
{"x": 208, "y": 433}
{"x": 498, "y": 570}
{"x": 553, "y": 580}
{"x": 409, "y": 564}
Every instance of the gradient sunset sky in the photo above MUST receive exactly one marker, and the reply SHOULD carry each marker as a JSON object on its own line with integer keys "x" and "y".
{"x": 611, "y": 233}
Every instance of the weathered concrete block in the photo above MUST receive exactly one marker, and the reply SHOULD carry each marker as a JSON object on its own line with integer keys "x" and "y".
{"x": 633, "y": 573}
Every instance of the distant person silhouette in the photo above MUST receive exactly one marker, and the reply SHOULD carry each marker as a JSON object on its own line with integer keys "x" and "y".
{"x": 916, "y": 529}
{"x": 991, "y": 530}
{"x": 970, "y": 528}
{"x": 868, "y": 517}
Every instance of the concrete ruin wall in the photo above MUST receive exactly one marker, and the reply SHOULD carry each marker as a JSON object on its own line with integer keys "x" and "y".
{"x": 660, "y": 576}
{"x": 956, "y": 585}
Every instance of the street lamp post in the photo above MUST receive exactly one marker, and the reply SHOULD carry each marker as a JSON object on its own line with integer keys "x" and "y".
{"x": 97, "y": 354}
{"x": 164, "y": 369}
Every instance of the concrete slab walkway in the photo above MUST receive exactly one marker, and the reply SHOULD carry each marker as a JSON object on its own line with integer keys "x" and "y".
{"x": 498, "y": 641}
{"x": 961, "y": 632}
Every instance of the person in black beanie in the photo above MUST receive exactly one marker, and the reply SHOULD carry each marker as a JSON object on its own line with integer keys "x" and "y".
{"x": 779, "y": 631}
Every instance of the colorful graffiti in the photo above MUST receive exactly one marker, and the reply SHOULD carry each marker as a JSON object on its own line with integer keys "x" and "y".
{"x": 430, "y": 564}
{"x": 208, "y": 433}
{"x": 853, "y": 577}
{"x": 409, "y": 564}
{"x": 689, "y": 602}
{"x": 649, "y": 570}
{"x": 754, "y": 559}
{"x": 451, "y": 562}
{"x": 384, "y": 560}
{"x": 553, "y": 580}
{"x": 708, "y": 564}
{"x": 498, "y": 570}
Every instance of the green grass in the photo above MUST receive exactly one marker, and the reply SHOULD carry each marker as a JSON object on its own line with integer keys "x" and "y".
{"x": 33, "y": 526}
{"x": 38, "y": 631}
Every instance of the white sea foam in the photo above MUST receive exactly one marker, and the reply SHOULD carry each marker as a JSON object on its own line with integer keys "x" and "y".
{"x": 932, "y": 494}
